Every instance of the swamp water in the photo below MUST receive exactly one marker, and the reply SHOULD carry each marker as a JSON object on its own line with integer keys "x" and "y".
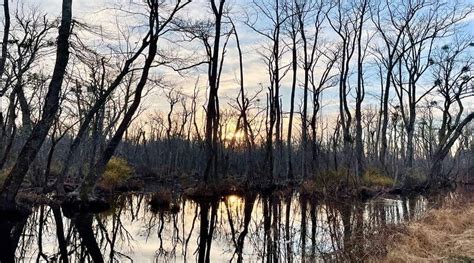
{"x": 237, "y": 229}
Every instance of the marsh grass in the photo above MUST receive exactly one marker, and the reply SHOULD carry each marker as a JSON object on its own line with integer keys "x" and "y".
{"x": 374, "y": 178}
{"x": 336, "y": 180}
{"x": 330, "y": 180}
{"x": 442, "y": 235}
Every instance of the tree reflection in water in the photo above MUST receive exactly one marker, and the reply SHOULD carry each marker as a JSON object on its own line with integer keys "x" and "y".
{"x": 266, "y": 228}
{"x": 10, "y": 234}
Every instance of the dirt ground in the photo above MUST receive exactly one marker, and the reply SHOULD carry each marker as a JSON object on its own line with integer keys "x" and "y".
{"x": 443, "y": 235}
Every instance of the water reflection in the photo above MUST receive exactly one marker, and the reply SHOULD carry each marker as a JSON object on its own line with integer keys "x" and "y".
{"x": 11, "y": 230}
{"x": 264, "y": 228}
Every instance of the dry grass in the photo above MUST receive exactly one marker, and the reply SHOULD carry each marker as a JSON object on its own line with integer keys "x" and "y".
{"x": 443, "y": 235}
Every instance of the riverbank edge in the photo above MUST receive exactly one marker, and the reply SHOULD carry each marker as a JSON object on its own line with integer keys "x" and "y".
{"x": 444, "y": 234}
{"x": 165, "y": 196}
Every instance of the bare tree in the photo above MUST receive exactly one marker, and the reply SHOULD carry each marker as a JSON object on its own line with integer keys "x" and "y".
{"x": 40, "y": 131}
{"x": 391, "y": 22}
{"x": 453, "y": 73}
{"x": 212, "y": 111}
{"x": 274, "y": 15}
{"x": 362, "y": 10}
{"x": 6, "y": 33}
{"x": 156, "y": 27}
{"x": 345, "y": 23}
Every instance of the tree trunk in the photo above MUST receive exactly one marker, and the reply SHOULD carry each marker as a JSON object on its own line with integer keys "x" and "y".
{"x": 359, "y": 145}
{"x": 40, "y": 131}
{"x": 98, "y": 105}
{"x": 212, "y": 116}
{"x": 294, "y": 63}
{"x": 6, "y": 33}
{"x": 87, "y": 186}
{"x": 444, "y": 148}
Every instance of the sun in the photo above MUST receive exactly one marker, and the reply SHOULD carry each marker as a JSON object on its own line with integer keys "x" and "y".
{"x": 238, "y": 136}
{"x": 232, "y": 198}
{"x": 233, "y": 201}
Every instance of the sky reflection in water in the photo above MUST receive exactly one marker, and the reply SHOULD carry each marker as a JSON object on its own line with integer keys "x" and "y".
{"x": 243, "y": 229}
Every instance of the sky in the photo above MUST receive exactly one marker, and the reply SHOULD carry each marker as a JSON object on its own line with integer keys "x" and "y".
{"x": 100, "y": 14}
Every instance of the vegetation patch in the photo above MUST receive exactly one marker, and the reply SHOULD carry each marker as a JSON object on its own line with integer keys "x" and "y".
{"x": 210, "y": 191}
{"x": 284, "y": 192}
{"x": 415, "y": 178}
{"x": 443, "y": 235}
{"x": 162, "y": 197}
{"x": 374, "y": 178}
{"x": 117, "y": 172}
{"x": 162, "y": 200}
{"x": 329, "y": 181}
{"x": 32, "y": 198}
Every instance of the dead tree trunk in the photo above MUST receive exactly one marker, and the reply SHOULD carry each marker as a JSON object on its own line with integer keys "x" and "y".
{"x": 6, "y": 33}
{"x": 87, "y": 187}
{"x": 212, "y": 115}
{"x": 40, "y": 131}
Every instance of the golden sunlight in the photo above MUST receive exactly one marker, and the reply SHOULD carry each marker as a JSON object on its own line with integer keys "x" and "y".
{"x": 233, "y": 201}
{"x": 238, "y": 136}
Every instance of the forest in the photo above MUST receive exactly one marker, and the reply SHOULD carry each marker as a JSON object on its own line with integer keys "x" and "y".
{"x": 288, "y": 104}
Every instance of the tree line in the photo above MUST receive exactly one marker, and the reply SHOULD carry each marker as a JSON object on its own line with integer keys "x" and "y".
{"x": 396, "y": 78}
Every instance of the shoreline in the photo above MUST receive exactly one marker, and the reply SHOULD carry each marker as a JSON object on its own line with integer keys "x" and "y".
{"x": 164, "y": 197}
{"x": 443, "y": 234}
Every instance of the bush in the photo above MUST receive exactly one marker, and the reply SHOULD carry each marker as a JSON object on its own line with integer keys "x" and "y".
{"x": 116, "y": 172}
{"x": 162, "y": 201}
{"x": 333, "y": 179}
{"x": 327, "y": 181}
{"x": 415, "y": 177}
{"x": 373, "y": 177}
{"x": 161, "y": 198}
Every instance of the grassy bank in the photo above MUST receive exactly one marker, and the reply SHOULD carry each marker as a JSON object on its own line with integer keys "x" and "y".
{"x": 442, "y": 235}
